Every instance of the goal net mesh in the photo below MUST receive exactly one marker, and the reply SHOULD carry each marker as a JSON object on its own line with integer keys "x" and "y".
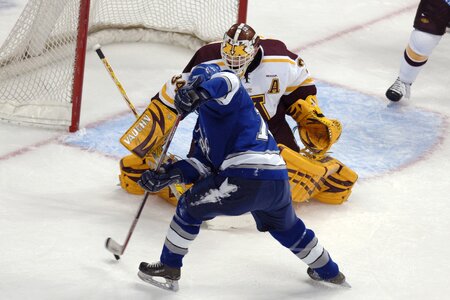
{"x": 37, "y": 59}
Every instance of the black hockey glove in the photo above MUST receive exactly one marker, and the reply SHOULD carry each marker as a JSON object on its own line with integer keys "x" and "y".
{"x": 189, "y": 97}
{"x": 152, "y": 182}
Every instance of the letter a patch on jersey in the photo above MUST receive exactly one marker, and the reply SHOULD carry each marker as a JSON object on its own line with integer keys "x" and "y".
{"x": 274, "y": 86}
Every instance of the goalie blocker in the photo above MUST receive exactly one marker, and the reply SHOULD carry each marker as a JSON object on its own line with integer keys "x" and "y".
{"x": 149, "y": 132}
{"x": 145, "y": 139}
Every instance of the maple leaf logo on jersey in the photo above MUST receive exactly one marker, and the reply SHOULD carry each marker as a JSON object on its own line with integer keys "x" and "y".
{"x": 235, "y": 50}
{"x": 204, "y": 146}
{"x": 203, "y": 143}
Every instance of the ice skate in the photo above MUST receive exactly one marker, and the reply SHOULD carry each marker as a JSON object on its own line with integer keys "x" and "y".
{"x": 339, "y": 279}
{"x": 160, "y": 275}
{"x": 399, "y": 90}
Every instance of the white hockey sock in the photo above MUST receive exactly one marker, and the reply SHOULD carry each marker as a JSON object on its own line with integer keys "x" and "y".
{"x": 420, "y": 46}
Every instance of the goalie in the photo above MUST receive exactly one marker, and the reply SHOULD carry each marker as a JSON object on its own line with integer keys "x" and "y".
{"x": 279, "y": 85}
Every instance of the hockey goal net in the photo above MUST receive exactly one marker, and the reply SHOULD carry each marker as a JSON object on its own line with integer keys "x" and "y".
{"x": 42, "y": 59}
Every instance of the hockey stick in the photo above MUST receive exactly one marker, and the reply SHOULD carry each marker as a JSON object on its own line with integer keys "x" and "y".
{"x": 111, "y": 244}
{"x": 109, "y": 69}
{"x": 114, "y": 247}
{"x": 102, "y": 57}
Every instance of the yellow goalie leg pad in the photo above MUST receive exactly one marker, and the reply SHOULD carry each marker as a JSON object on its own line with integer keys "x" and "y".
{"x": 305, "y": 173}
{"x": 131, "y": 169}
{"x": 150, "y": 130}
{"x": 336, "y": 188}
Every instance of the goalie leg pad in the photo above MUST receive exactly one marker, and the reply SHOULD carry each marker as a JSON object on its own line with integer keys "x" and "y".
{"x": 336, "y": 188}
{"x": 131, "y": 169}
{"x": 305, "y": 173}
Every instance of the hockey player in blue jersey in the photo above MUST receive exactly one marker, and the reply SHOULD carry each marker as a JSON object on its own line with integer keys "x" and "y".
{"x": 235, "y": 168}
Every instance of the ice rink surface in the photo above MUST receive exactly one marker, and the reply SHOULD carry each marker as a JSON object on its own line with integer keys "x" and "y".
{"x": 59, "y": 198}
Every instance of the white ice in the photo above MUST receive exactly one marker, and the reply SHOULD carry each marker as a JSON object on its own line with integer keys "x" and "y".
{"x": 58, "y": 203}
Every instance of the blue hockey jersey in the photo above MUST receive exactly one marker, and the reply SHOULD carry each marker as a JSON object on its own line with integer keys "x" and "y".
{"x": 230, "y": 137}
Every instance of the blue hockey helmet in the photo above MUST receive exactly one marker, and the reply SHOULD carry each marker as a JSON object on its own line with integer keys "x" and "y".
{"x": 206, "y": 71}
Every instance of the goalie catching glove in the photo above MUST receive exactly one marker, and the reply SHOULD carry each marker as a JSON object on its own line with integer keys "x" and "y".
{"x": 317, "y": 132}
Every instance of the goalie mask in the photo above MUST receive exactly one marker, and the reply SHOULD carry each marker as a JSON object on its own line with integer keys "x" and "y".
{"x": 239, "y": 46}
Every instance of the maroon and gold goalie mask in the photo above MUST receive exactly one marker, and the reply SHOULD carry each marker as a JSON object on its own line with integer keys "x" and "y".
{"x": 239, "y": 46}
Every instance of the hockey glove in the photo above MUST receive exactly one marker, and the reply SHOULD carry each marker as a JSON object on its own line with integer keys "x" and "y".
{"x": 189, "y": 97}
{"x": 317, "y": 132}
{"x": 152, "y": 181}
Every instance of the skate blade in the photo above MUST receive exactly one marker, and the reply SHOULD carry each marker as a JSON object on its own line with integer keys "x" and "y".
{"x": 168, "y": 284}
{"x": 343, "y": 284}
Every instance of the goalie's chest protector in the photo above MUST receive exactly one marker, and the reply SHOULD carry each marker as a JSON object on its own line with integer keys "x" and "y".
{"x": 274, "y": 77}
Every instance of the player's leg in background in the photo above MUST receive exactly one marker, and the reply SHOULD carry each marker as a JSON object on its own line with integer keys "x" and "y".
{"x": 431, "y": 20}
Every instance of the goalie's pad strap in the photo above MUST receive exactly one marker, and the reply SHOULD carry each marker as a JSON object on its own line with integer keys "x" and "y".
{"x": 149, "y": 131}
{"x": 305, "y": 173}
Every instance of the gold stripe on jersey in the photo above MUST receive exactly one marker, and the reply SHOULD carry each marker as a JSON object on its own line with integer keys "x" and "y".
{"x": 414, "y": 56}
{"x": 278, "y": 60}
{"x": 306, "y": 82}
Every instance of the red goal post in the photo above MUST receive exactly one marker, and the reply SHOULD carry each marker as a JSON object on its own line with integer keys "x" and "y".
{"x": 42, "y": 59}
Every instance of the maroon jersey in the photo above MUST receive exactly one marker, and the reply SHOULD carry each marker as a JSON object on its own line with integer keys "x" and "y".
{"x": 432, "y": 16}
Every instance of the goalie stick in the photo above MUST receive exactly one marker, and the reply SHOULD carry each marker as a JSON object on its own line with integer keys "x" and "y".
{"x": 108, "y": 67}
{"x": 111, "y": 245}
